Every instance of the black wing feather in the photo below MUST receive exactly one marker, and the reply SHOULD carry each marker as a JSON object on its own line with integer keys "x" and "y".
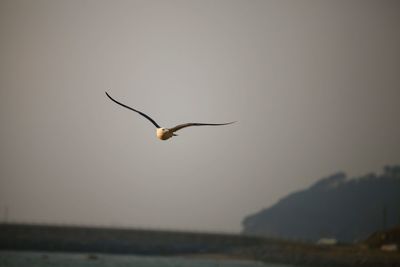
{"x": 181, "y": 126}
{"x": 141, "y": 113}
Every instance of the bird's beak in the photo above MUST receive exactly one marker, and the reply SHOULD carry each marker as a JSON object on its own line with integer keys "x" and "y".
{"x": 174, "y": 134}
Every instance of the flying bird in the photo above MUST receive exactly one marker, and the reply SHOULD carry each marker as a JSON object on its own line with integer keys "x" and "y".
{"x": 167, "y": 133}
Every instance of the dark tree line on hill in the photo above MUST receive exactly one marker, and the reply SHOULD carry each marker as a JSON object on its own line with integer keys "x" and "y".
{"x": 348, "y": 210}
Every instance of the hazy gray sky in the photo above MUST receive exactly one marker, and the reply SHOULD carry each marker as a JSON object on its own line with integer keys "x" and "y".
{"x": 315, "y": 86}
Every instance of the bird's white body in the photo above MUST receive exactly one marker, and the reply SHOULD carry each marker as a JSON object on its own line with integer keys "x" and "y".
{"x": 164, "y": 133}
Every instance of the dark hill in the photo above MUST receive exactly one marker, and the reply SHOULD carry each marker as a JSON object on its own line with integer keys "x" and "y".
{"x": 334, "y": 207}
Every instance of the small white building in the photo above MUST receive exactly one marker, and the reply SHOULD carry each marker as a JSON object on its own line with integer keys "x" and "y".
{"x": 327, "y": 241}
{"x": 389, "y": 247}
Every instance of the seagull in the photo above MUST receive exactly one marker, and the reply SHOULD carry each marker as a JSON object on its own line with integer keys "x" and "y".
{"x": 167, "y": 133}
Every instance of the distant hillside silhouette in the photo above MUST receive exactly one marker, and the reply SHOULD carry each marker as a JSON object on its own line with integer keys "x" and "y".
{"x": 335, "y": 207}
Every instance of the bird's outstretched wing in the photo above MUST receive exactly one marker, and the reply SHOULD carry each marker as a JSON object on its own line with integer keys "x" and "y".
{"x": 141, "y": 113}
{"x": 181, "y": 126}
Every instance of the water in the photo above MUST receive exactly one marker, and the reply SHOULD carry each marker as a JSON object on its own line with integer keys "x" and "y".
{"x": 44, "y": 259}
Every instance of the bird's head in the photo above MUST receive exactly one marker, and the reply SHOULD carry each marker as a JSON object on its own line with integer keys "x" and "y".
{"x": 164, "y": 133}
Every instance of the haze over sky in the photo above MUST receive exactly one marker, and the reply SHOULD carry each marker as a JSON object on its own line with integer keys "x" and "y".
{"x": 315, "y": 86}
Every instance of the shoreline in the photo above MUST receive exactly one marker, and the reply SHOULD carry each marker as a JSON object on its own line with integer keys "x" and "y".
{"x": 78, "y": 239}
{"x": 300, "y": 256}
{"x": 315, "y": 256}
